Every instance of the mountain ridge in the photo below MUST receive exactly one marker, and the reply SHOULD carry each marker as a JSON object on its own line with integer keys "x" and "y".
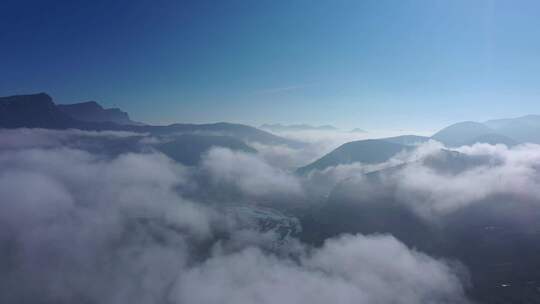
{"x": 368, "y": 151}
{"x": 92, "y": 111}
{"x": 297, "y": 127}
{"x": 39, "y": 111}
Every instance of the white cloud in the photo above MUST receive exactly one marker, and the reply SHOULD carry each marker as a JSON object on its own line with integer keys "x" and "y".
{"x": 348, "y": 269}
{"x": 435, "y": 183}
{"x": 79, "y": 228}
{"x": 44, "y": 138}
{"x": 249, "y": 173}
{"x": 287, "y": 158}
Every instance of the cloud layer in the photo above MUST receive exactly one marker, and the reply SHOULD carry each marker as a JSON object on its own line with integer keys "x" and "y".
{"x": 77, "y": 227}
{"x": 348, "y": 269}
{"x": 488, "y": 170}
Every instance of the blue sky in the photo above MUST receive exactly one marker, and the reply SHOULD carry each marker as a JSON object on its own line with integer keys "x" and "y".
{"x": 370, "y": 64}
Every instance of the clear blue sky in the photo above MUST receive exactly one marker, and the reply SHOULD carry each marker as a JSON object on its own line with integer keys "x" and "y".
{"x": 370, "y": 64}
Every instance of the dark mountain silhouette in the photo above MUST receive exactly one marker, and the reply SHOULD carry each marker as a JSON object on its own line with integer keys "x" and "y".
{"x": 91, "y": 111}
{"x": 39, "y": 111}
{"x": 370, "y": 151}
{"x": 32, "y": 111}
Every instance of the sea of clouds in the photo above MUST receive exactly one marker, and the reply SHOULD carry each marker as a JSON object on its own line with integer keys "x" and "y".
{"x": 88, "y": 227}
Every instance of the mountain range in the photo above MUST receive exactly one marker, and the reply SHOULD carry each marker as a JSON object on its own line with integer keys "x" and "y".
{"x": 39, "y": 111}
{"x": 296, "y": 127}
{"x": 495, "y": 236}
{"x": 304, "y": 127}
{"x": 487, "y": 236}
{"x": 509, "y": 132}
{"x": 368, "y": 151}
{"x": 92, "y": 111}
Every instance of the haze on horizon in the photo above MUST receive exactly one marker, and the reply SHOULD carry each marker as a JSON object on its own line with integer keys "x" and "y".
{"x": 415, "y": 65}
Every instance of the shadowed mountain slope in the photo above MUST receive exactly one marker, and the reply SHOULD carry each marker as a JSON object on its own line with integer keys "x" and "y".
{"x": 370, "y": 151}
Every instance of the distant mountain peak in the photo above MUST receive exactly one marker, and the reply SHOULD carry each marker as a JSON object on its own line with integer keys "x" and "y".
{"x": 297, "y": 127}
{"x": 522, "y": 129}
{"x": 461, "y": 133}
{"x": 39, "y": 111}
{"x": 358, "y": 130}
